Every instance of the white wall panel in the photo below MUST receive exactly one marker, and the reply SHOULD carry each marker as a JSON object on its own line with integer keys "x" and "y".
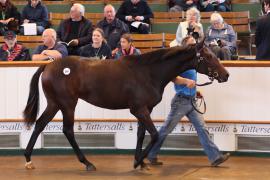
{"x": 244, "y": 97}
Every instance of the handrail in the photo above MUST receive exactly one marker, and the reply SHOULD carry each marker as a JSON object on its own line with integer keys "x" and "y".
{"x": 154, "y": 120}
{"x": 225, "y": 63}
{"x": 23, "y": 63}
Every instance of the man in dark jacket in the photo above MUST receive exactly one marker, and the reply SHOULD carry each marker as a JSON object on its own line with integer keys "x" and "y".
{"x": 113, "y": 28}
{"x": 35, "y": 12}
{"x": 262, "y": 35}
{"x": 11, "y": 50}
{"x": 136, "y": 14}
{"x": 75, "y": 31}
{"x": 183, "y": 5}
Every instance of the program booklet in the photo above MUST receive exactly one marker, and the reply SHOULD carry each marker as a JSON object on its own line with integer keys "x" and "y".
{"x": 136, "y": 24}
{"x": 66, "y": 43}
{"x": 30, "y": 28}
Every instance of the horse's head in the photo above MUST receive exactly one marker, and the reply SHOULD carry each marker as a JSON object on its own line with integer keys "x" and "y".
{"x": 209, "y": 64}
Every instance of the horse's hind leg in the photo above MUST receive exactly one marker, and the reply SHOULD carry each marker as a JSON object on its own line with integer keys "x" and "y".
{"x": 143, "y": 116}
{"x": 41, "y": 123}
{"x": 68, "y": 118}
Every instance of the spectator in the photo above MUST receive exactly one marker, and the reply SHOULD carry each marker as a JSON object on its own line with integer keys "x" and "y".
{"x": 136, "y": 14}
{"x": 35, "y": 12}
{"x": 50, "y": 49}
{"x": 76, "y": 31}
{"x": 214, "y": 5}
{"x": 171, "y": 3}
{"x": 126, "y": 47}
{"x": 183, "y": 5}
{"x": 11, "y": 50}
{"x": 112, "y": 27}
{"x": 9, "y": 17}
{"x": 99, "y": 49}
{"x": 262, "y": 34}
{"x": 191, "y": 25}
{"x": 221, "y": 37}
{"x": 263, "y": 9}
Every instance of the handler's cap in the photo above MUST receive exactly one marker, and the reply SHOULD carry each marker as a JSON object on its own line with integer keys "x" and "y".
{"x": 9, "y": 35}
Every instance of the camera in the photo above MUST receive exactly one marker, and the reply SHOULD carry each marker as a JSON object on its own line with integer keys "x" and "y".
{"x": 191, "y": 32}
{"x": 219, "y": 43}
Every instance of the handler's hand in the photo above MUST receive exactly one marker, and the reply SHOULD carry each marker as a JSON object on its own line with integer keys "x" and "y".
{"x": 190, "y": 83}
{"x": 199, "y": 94}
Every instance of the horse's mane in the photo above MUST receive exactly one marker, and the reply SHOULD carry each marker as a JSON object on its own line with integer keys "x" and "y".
{"x": 157, "y": 56}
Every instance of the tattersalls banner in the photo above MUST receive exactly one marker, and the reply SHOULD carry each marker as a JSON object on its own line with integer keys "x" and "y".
{"x": 248, "y": 129}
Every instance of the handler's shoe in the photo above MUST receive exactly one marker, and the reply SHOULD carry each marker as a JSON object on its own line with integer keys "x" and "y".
{"x": 155, "y": 162}
{"x": 220, "y": 160}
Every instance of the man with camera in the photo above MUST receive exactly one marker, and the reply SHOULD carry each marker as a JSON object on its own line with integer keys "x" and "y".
{"x": 221, "y": 38}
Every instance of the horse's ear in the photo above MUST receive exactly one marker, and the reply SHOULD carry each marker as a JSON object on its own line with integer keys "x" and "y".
{"x": 200, "y": 44}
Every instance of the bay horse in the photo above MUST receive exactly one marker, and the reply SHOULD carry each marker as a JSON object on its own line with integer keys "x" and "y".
{"x": 133, "y": 82}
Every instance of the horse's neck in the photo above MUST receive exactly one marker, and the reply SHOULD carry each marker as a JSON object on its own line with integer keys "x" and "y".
{"x": 167, "y": 71}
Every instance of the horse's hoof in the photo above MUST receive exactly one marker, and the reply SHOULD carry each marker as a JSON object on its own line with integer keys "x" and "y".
{"x": 136, "y": 164}
{"x": 145, "y": 167}
{"x": 91, "y": 167}
{"x": 29, "y": 165}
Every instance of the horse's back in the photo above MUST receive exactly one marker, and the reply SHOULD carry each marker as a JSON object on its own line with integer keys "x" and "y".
{"x": 99, "y": 82}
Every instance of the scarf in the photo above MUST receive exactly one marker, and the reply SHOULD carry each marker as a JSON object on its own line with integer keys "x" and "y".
{"x": 129, "y": 52}
{"x": 17, "y": 49}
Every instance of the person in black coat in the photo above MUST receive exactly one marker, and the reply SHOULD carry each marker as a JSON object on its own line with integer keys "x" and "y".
{"x": 132, "y": 11}
{"x": 262, "y": 34}
{"x": 35, "y": 12}
{"x": 9, "y": 17}
{"x": 112, "y": 27}
{"x": 75, "y": 31}
{"x": 99, "y": 48}
{"x": 183, "y": 5}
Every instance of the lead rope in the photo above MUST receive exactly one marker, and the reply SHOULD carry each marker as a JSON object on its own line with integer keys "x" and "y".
{"x": 197, "y": 102}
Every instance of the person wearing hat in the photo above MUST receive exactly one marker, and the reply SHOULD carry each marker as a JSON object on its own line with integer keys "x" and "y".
{"x": 11, "y": 50}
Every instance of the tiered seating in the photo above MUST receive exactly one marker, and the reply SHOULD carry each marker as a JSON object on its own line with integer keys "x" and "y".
{"x": 168, "y": 38}
{"x": 56, "y": 18}
{"x": 163, "y": 21}
{"x": 165, "y": 17}
{"x": 253, "y": 6}
{"x": 148, "y": 42}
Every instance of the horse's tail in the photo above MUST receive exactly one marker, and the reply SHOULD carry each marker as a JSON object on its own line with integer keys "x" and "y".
{"x": 31, "y": 110}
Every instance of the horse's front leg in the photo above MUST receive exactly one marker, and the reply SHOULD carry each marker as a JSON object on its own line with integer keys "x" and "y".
{"x": 68, "y": 120}
{"x": 140, "y": 138}
{"x": 143, "y": 116}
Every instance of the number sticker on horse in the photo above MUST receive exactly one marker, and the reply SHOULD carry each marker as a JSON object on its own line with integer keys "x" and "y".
{"x": 66, "y": 71}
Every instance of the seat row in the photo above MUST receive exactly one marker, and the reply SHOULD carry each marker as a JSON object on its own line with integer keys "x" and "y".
{"x": 144, "y": 42}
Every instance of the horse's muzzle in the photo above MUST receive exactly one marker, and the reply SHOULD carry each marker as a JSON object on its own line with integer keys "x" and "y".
{"x": 223, "y": 78}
